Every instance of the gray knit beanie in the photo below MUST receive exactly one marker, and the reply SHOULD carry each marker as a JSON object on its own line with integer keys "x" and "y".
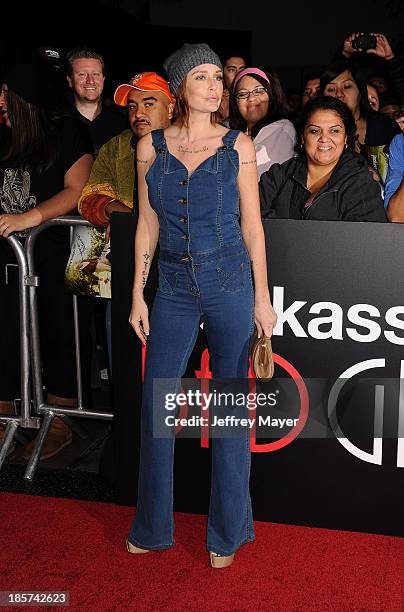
{"x": 178, "y": 64}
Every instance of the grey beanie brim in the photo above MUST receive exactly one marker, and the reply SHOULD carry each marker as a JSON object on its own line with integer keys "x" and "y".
{"x": 179, "y": 63}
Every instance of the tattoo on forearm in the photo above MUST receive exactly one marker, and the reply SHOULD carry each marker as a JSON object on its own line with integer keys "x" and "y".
{"x": 145, "y": 271}
{"x": 252, "y": 161}
{"x": 141, "y": 161}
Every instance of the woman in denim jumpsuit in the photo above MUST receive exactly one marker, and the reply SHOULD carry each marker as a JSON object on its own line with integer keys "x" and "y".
{"x": 198, "y": 194}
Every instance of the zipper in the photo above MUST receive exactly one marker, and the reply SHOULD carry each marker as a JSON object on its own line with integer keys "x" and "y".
{"x": 307, "y": 210}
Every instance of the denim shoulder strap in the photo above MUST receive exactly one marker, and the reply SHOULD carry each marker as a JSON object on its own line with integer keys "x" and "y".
{"x": 159, "y": 142}
{"x": 230, "y": 138}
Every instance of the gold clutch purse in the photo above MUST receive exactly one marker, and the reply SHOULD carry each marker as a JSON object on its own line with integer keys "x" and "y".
{"x": 261, "y": 357}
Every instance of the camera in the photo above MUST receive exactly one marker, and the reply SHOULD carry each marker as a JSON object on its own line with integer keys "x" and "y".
{"x": 364, "y": 42}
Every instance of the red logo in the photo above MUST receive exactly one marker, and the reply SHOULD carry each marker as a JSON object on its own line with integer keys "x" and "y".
{"x": 205, "y": 374}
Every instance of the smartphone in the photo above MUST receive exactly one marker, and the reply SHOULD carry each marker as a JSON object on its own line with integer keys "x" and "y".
{"x": 364, "y": 42}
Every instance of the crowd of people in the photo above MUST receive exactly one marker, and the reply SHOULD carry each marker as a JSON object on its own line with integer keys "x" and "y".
{"x": 200, "y": 155}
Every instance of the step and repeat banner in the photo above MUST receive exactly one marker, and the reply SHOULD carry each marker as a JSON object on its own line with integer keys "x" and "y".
{"x": 328, "y": 442}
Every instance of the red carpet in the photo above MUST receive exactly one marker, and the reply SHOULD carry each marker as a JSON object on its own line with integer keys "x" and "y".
{"x": 68, "y": 545}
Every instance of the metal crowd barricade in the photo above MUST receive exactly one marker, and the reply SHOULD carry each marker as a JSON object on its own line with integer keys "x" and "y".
{"x": 25, "y": 419}
{"x": 48, "y": 411}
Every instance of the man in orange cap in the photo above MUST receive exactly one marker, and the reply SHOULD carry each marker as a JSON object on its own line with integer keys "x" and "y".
{"x": 147, "y": 97}
{"x": 111, "y": 184}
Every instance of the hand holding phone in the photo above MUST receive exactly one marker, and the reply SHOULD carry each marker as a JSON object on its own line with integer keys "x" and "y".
{"x": 364, "y": 42}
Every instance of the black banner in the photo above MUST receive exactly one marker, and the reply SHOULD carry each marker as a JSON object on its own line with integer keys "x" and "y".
{"x": 338, "y": 343}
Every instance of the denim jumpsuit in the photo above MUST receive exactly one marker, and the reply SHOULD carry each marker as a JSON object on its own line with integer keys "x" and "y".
{"x": 204, "y": 275}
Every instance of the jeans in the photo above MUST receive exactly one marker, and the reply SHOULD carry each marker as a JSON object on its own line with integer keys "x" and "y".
{"x": 216, "y": 289}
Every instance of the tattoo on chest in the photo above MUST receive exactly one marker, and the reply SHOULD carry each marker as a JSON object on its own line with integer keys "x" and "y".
{"x": 182, "y": 149}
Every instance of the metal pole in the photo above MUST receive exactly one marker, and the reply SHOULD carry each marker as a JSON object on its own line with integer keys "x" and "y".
{"x": 24, "y": 338}
{"x": 41, "y": 407}
{"x": 36, "y": 451}
{"x": 73, "y": 412}
{"x": 77, "y": 342}
{"x": 35, "y": 337}
{"x": 7, "y": 440}
{"x": 23, "y": 281}
{"x": 35, "y": 340}
{"x": 24, "y": 419}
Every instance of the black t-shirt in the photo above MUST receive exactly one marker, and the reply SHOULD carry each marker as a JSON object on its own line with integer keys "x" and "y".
{"x": 21, "y": 190}
{"x": 109, "y": 123}
{"x": 379, "y": 132}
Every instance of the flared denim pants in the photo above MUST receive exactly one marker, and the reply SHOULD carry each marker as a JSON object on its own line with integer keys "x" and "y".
{"x": 217, "y": 289}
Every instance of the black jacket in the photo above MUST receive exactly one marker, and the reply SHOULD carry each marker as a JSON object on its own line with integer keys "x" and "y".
{"x": 351, "y": 194}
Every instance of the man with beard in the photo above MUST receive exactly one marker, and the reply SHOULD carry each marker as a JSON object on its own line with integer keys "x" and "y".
{"x": 111, "y": 186}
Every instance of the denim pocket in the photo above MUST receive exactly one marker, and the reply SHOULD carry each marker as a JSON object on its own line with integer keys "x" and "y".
{"x": 232, "y": 279}
{"x": 167, "y": 280}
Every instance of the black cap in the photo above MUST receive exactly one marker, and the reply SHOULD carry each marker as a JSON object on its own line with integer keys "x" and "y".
{"x": 40, "y": 81}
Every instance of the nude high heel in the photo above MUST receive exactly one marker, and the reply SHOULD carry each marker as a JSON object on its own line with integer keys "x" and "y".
{"x": 219, "y": 561}
{"x": 135, "y": 550}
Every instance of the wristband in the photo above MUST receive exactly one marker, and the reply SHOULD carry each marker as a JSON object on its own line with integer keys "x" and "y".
{"x": 93, "y": 209}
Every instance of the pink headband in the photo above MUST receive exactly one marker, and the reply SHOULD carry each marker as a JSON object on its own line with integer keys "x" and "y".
{"x": 257, "y": 71}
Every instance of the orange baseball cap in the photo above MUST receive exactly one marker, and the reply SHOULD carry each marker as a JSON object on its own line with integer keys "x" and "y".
{"x": 144, "y": 81}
